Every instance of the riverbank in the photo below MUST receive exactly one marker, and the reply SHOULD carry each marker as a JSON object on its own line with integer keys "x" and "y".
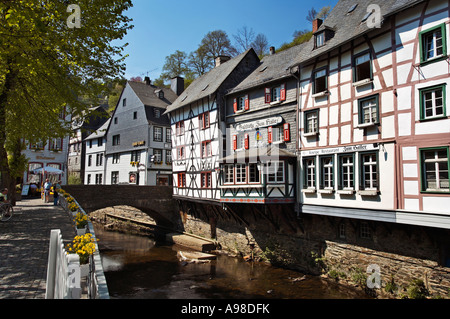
{"x": 129, "y": 220}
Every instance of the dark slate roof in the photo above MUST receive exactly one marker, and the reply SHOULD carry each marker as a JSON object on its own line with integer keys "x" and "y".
{"x": 148, "y": 94}
{"x": 208, "y": 83}
{"x": 272, "y": 68}
{"x": 100, "y": 132}
{"x": 348, "y": 26}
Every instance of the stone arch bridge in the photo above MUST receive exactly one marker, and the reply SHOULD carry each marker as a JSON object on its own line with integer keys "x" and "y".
{"x": 155, "y": 201}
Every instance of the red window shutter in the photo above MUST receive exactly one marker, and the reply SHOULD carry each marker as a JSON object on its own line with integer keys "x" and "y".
{"x": 287, "y": 134}
{"x": 283, "y": 92}
{"x": 235, "y": 105}
{"x": 247, "y": 103}
{"x": 267, "y": 95}
{"x": 269, "y": 134}
{"x": 246, "y": 142}
{"x": 234, "y": 142}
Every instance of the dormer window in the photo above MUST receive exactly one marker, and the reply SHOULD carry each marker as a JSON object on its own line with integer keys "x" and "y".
{"x": 160, "y": 94}
{"x": 319, "y": 39}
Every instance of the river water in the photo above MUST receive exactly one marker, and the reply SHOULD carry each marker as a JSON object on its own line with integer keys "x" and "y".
{"x": 136, "y": 267}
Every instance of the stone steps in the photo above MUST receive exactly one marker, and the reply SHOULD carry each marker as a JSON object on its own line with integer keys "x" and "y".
{"x": 192, "y": 242}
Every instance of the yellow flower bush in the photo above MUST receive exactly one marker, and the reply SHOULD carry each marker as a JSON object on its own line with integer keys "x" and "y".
{"x": 83, "y": 245}
{"x": 81, "y": 220}
{"x": 73, "y": 207}
{"x": 70, "y": 199}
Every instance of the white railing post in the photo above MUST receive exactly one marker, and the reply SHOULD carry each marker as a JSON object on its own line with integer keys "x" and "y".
{"x": 63, "y": 271}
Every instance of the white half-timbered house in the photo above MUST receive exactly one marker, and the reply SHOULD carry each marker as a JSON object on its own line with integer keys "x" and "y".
{"x": 198, "y": 128}
{"x": 260, "y": 164}
{"x": 374, "y": 126}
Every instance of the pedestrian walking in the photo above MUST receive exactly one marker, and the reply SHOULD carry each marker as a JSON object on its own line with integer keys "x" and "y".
{"x": 56, "y": 189}
{"x": 47, "y": 187}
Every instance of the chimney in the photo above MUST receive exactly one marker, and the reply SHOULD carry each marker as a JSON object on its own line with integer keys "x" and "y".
{"x": 316, "y": 24}
{"x": 147, "y": 80}
{"x": 272, "y": 50}
{"x": 222, "y": 59}
{"x": 177, "y": 85}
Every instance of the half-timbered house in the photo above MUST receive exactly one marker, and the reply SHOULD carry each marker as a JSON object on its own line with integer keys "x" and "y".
{"x": 374, "y": 129}
{"x": 261, "y": 110}
{"x": 198, "y": 128}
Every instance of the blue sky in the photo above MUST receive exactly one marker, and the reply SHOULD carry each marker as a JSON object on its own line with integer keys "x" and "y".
{"x": 162, "y": 27}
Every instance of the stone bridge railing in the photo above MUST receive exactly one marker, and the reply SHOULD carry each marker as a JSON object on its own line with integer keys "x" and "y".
{"x": 156, "y": 201}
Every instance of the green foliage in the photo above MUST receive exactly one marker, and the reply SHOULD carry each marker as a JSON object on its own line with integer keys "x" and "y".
{"x": 47, "y": 68}
{"x": 358, "y": 276}
{"x": 336, "y": 275}
{"x": 276, "y": 255}
{"x": 391, "y": 287}
{"x": 74, "y": 180}
{"x": 417, "y": 290}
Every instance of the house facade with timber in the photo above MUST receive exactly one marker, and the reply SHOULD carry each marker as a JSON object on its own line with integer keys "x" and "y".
{"x": 373, "y": 121}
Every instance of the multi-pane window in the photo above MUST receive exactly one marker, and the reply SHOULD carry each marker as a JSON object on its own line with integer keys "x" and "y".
{"x": 116, "y": 140}
{"x": 203, "y": 120}
{"x": 320, "y": 81}
{"x": 168, "y": 135}
{"x": 346, "y": 169}
{"x": 435, "y": 169}
{"x": 157, "y": 134}
{"x": 433, "y": 43}
{"x": 180, "y": 128}
{"x": 206, "y": 179}
{"x": 180, "y": 153}
{"x": 168, "y": 156}
{"x": 241, "y": 174}
{"x": 275, "y": 94}
{"x": 229, "y": 174}
{"x": 432, "y": 102}
{"x": 99, "y": 160}
{"x": 362, "y": 67}
{"x": 98, "y": 179}
{"x": 369, "y": 171}
{"x": 100, "y": 141}
{"x": 88, "y": 179}
{"x": 136, "y": 156}
{"x": 319, "y": 39}
{"x": 116, "y": 158}
{"x": 114, "y": 177}
{"x": 157, "y": 156}
{"x": 368, "y": 110}
{"x": 275, "y": 172}
{"x": 310, "y": 172}
{"x": 90, "y": 160}
{"x": 277, "y": 134}
{"x": 254, "y": 175}
{"x": 56, "y": 144}
{"x": 365, "y": 231}
{"x": 311, "y": 122}
{"x": 206, "y": 149}
{"x": 327, "y": 174}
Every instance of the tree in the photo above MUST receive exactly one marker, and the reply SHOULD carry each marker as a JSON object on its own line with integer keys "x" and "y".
{"x": 244, "y": 39}
{"x": 176, "y": 65}
{"x": 46, "y": 65}
{"x": 260, "y": 45}
{"x": 312, "y": 14}
{"x": 199, "y": 63}
{"x": 217, "y": 43}
{"x": 322, "y": 14}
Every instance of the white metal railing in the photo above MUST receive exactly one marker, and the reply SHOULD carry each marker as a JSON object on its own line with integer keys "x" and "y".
{"x": 97, "y": 287}
{"x": 63, "y": 270}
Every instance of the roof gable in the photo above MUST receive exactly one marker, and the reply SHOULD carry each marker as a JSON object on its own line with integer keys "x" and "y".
{"x": 209, "y": 83}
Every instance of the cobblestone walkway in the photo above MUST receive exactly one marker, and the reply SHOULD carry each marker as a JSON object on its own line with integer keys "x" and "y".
{"x": 24, "y": 244}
